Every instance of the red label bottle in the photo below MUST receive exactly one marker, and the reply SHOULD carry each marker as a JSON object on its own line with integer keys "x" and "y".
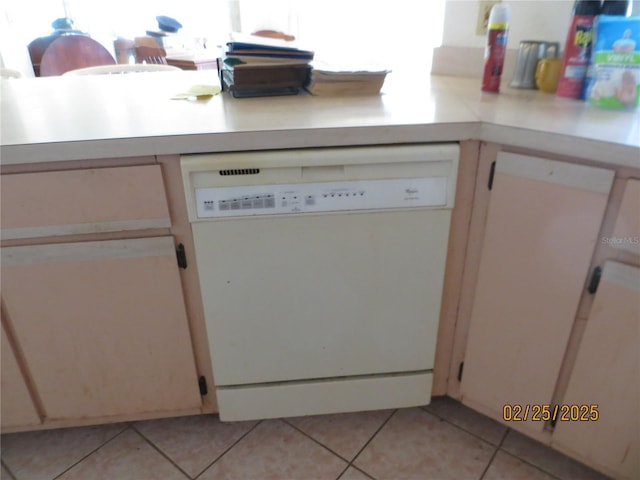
{"x": 496, "y": 47}
{"x": 577, "y": 48}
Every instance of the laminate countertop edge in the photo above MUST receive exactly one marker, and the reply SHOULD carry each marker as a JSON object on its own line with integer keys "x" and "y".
{"x": 131, "y": 117}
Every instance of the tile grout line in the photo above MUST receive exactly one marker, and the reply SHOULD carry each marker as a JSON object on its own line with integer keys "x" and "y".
{"x": 314, "y": 440}
{"x": 228, "y": 449}
{"x": 156, "y": 448}
{"x": 8, "y": 470}
{"x": 131, "y": 425}
{"x": 499, "y": 446}
{"x": 128, "y": 426}
{"x": 368, "y": 475}
{"x": 371, "y": 439}
{"x": 349, "y": 462}
{"x": 524, "y": 460}
{"x": 495, "y": 452}
{"x": 531, "y": 464}
{"x": 343, "y": 472}
{"x": 465, "y": 430}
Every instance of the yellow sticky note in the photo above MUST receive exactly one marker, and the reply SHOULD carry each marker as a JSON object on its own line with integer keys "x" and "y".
{"x": 198, "y": 92}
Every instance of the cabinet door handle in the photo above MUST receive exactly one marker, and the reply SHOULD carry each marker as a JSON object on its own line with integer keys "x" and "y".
{"x": 595, "y": 280}
{"x": 181, "y": 256}
{"x": 492, "y": 172}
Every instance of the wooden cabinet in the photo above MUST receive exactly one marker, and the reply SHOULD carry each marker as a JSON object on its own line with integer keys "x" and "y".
{"x": 88, "y": 201}
{"x": 18, "y": 408}
{"x": 607, "y": 374}
{"x": 103, "y": 326}
{"x": 541, "y": 230}
{"x": 626, "y": 232}
{"x": 532, "y": 331}
{"x": 99, "y": 321}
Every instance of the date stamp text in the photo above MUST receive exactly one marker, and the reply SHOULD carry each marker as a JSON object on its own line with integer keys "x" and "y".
{"x": 554, "y": 413}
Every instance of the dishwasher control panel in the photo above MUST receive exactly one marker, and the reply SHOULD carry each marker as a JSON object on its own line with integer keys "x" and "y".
{"x": 248, "y": 200}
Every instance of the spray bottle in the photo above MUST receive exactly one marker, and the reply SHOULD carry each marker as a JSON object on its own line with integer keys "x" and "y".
{"x": 577, "y": 49}
{"x": 497, "y": 34}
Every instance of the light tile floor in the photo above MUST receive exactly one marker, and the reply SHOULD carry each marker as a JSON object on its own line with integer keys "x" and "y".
{"x": 444, "y": 440}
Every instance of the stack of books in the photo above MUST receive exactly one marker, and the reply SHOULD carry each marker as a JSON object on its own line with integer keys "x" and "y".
{"x": 335, "y": 80}
{"x": 255, "y": 66}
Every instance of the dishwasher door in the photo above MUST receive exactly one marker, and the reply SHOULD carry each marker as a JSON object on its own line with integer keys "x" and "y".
{"x": 321, "y": 296}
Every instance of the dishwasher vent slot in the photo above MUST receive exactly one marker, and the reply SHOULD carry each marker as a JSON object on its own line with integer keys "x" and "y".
{"x": 240, "y": 171}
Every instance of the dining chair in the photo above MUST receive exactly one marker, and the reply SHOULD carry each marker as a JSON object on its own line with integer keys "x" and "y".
{"x": 118, "y": 69}
{"x": 70, "y": 52}
{"x": 153, "y": 55}
{"x": 37, "y": 48}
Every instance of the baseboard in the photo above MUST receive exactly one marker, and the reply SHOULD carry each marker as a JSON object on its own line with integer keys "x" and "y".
{"x": 467, "y": 62}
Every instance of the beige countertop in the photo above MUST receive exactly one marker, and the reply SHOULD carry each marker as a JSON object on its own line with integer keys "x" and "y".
{"x": 72, "y": 118}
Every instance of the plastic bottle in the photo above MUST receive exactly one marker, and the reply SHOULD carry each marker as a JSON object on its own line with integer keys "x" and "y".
{"x": 497, "y": 35}
{"x": 609, "y": 7}
{"x": 617, "y": 7}
{"x": 577, "y": 48}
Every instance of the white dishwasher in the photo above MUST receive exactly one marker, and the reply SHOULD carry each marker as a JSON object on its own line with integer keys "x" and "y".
{"x": 321, "y": 273}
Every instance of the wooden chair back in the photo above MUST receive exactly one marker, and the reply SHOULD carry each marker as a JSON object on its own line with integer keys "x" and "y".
{"x": 153, "y": 55}
{"x": 120, "y": 68}
{"x": 70, "y": 52}
{"x": 37, "y": 48}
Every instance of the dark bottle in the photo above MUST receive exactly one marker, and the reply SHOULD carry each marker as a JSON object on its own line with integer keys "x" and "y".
{"x": 587, "y": 7}
{"x": 577, "y": 48}
{"x": 617, "y": 7}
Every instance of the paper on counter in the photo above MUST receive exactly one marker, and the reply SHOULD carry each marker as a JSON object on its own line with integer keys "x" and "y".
{"x": 198, "y": 92}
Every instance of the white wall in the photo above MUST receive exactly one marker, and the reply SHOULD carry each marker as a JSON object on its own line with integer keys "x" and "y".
{"x": 530, "y": 20}
{"x": 13, "y": 48}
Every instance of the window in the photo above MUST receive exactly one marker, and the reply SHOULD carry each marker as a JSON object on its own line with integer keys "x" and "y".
{"x": 398, "y": 34}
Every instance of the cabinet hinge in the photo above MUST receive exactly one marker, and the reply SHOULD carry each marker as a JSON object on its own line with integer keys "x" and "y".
{"x": 181, "y": 256}
{"x": 595, "y": 280}
{"x": 492, "y": 172}
{"x": 460, "y": 368}
{"x": 202, "y": 384}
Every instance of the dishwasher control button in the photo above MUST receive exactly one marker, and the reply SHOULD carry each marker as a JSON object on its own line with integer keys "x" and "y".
{"x": 269, "y": 202}
{"x": 223, "y": 205}
{"x": 235, "y": 205}
{"x": 258, "y": 202}
{"x": 310, "y": 200}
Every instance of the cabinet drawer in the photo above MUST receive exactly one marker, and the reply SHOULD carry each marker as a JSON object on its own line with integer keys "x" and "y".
{"x": 626, "y": 233}
{"x": 72, "y": 202}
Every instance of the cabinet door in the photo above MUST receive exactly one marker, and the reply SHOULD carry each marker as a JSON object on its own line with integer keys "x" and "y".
{"x": 17, "y": 407}
{"x": 607, "y": 374}
{"x": 102, "y": 326}
{"x": 542, "y": 227}
{"x": 626, "y": 233}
